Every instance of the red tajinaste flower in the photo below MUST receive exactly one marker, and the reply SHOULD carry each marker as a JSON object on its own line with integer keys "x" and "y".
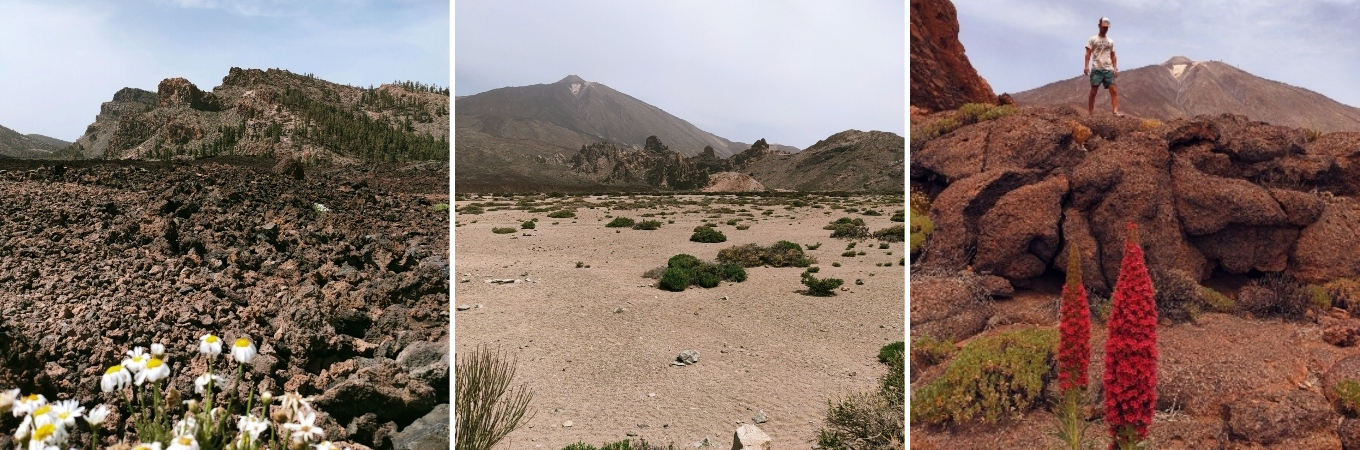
{"x": 1074, "y": 345}
{"x": 1131, "y": 351}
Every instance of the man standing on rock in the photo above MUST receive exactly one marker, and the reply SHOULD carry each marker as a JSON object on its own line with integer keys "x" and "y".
{"x": 1103, "y": 69}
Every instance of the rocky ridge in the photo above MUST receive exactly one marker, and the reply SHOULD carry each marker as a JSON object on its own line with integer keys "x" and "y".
{"x": 941, "y": 76}
{"x": 271, "y": 112}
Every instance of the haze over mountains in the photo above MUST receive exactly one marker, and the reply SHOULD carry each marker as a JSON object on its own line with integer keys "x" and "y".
{"x": 1183, "y": 88}
{"x": 576, "y": 134}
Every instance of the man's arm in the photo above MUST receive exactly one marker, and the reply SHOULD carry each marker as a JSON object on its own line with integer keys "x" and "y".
{"x": 1086, "y": 62}
{"x": 1114, "y": 62}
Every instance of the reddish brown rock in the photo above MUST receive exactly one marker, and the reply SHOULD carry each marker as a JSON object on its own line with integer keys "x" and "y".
{"x": 1343, "y": 370}
{"x": 1241, "y": 249}
{"x": 1329, "y": 248}
{"x": 1269, "y": 418}
{"x": 1301, "y": 208}
{"x": 941, "y": 76}
{"x": 1208, "y": 204}
{"x": 957, "y": 210}
{"x": 1018, "y": 237}
{"x": 948, "y": 307}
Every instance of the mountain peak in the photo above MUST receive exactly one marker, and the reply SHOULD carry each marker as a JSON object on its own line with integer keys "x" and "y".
{"x": 572, "y": 79}
{"x": 1178, "y": 60}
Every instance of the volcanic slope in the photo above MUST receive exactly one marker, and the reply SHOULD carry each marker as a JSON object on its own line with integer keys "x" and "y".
{"x": 1183, "y": 88}
{"x": 851, "y": 160}
{"x": 272, "y": 112}
{"x": 17, "y": 145}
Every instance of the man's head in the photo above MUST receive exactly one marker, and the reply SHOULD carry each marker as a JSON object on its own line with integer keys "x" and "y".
{"x": 1104, "y": 23}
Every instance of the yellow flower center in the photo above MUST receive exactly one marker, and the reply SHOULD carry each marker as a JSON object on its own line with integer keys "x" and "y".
{"x": 115, "y": 369}
{"x": 31, "y": 398}
{"x": 154, "y": 363}
{"x": 185, "y": 440}
{"x": 43, "y": 432}
{"x": 211, "y": 339}
{"x": 44, "y": 409}
{"x": 242, "y": 342}
{"x": 63, "y": 415}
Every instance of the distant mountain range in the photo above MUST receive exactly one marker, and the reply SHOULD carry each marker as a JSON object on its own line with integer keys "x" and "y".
{"x": 1181, "y": 87}
{"x": 17, "y": 145}
{"x": 576, "y": 134}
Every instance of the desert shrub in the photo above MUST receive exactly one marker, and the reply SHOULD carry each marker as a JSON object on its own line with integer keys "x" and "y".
{"x": 502, "y": 230}
{"x": 821, "y": 287}
{"x": 871, "y": 212}
{"x": 486, "y": 409}
{"x": 675, "y": 279}
{"x": 707, "y": 235}
{"x": 899, "y": 216}
{"x": 561, "y": 214}
{"x": 647, "y": 225}
{"x": 1319, "y": 296}
{"x": 685, "y": 270}
{"x": 527, "y": 225}
{"x": 1345, "y": 293}
{"x": 620, "y": 222}
{"x": 781, "y": 254}
{"x": 707, "y": 278}
{"x": 896, "y": 233}
{"x": 848, "y": 254}
{"x": 1080, "y": 133}
{"x": 850, "y": 245}
{"x": 580, "y": 264}
{"x": 1311, "y": 135}
{"x": 814, "y": 246}
{"x": 731, "y": 221}
{"x": 869, "y": 419}
{"x": 1149, "y": 125}
{"x": 440, "y": 207}
{"x": 1177, "y": 295}
{"x": 928, "y": 351}
{"x": 683, "y": 260}
{"x": 471, "y": 209}
{"x": 1275, "y": 295}
{"x": 1348, "y": 396}
{"x": 882, "y": 245}
{"x": 886, "y": 352}
{"x": 991, "y": 377}
{"x": 655, "y": 273}
{"x": 1100, "y": 307}
{"x": 813, "y": 269}
{"x": 835, "y": 264}
{"x": 971, "y": 113}
{"x": 743, "y": 227}
{"x": 1216, "y": 300}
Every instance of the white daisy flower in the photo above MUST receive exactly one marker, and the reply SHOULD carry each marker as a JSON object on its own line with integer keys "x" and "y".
{"x": 67, "y": 411}
{"x": 201, "y": 383}
{"x": 28, "y": 403}
{"x": 326, "y": 445}
{"x": 116, "y": 378}
{"x": 187, "y": 425}
{"x": 183, "y": 442}
{"x": 293, "y": 401}
{"x": 7, "y": 399}
{"x": 156, "y": 370}
{"x": 151, "y": 446}
{"x": 97, "y": 415}
{"x": 243, "y": 350}
{"x": 252, "y": 426}
{"x": 158, "y": 350}
{"x": 48, "y": 434}
{"x": 305, "y": 430}
{"x": 136, "y": 360}
{"x": 25, "y": 428}
{"x": 210, "y": 345}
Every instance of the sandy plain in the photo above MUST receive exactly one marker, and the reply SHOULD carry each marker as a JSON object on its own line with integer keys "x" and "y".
{"x": 764, "y": 346}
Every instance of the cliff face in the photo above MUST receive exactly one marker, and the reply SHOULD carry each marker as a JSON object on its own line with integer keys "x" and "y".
{"x": 267, "y": 112}
{"x": 608, "y": 164}
{"x": 851, "y": 160}
{"x": 941, "y": 76}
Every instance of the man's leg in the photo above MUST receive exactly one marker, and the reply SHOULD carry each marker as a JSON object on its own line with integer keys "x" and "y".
{"x": 1114, "y": 98}
{"x": 1091, "y": 101}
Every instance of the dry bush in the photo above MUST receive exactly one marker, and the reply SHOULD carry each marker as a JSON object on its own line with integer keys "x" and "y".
{"x": 1275, "y": 296}
{"x": 1177, "y": 295}
{"x": 1345, "y": 293}
{"x": 1079, "y": 132}
{"x": 486, "y": 409}
{"x": 1149, "y": 125}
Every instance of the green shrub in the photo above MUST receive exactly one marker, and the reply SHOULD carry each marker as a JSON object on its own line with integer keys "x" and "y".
{"x": 899, "y": 216}
{"x": 850, "y": 246}
{"x": 823, "y": 287}
{"x": 895, "y": 233}
{"x": 675, "y": 279}
{"x": 781, "y": 254}
{"x": 684, "y": 270}
{"x": 743, "y": 227}
{"x": 921, "y": 229}
{"x": 732, "y": 221}
{"x": 869, "y": 420}
{"x": 813, "y": 269}
{"x": 707, "y": 235}
{"x": 684, "y": 261}
{"x": 1318, "y": 294}
{"x": 561, "y": 214}
{"x": 992, "y": 376}
{"x": 1348, "y": 395}
{"x": 502, "y": 230}
{"x": 580, "y": 264}
{"x": 471, "y": 209}
{"x": 883, "y": 245}
{"x": 848, "y": 254}
{"x": 928, "y": 351}
{"x": 620, "y": 222}
{"x": 872, "y": 212}
{"x": 835, "y": 264}
{"x": 814, "y": 246}
{"x": 441, "y": 207}
{"x": 647, "y": 225}
{"x": 486, "y": 409}
{"x": 885, "y": 354}
{"x": 527, "y": 225}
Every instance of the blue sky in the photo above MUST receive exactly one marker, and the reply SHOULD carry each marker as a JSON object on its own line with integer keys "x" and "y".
{"x": 59, "y": 59}
{"x": 1019, "y": 45}
{"x": 790, "y": 72}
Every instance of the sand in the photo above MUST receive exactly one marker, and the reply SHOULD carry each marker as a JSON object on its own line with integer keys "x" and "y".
{"x": 765, "y": 348}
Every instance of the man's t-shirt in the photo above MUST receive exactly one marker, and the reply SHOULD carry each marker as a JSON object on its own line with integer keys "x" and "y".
{"x": 1101, "y": 48}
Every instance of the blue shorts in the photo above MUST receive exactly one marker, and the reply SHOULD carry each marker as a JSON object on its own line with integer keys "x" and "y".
{"x": 1099, "y": 77}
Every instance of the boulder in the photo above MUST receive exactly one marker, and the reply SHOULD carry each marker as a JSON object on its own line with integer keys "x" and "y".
{"x": 1329, "y": 248}
{"x": 688, "y": 357}
{"x": 384, "y": 388}
{"x": 1018, "y": 237}
{"x": 1347, "y": 368}
{"x": 1349, "y": 432}
{"x": 941, "y": 75}
{"x": 750, "y": 437}
{"x": 430, "y": 432}
{"x": 1208, "y": 204}
{"x": 948, "y": 307}
{"x": 957, "y": 210}
{"x": 1239, "y": 250}
{"x": 1269, "y": 418}
{"x": 1015, "y": 142}
{"x": 289, "y": 167}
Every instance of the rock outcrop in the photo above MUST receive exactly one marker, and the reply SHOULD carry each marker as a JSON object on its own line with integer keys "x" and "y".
{"x": 941, "y": 76}
{"x": 1210, "y": 194}
{"x": 732, "y": 182}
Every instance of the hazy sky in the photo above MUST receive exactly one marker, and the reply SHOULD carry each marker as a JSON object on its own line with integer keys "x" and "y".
{"x": 1019, "y": 45}
{"x": 790, "y": 72}
{"x": 59, "y": 59}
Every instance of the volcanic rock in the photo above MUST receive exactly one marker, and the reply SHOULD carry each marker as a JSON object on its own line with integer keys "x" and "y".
{"x": 941, "y": 76}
